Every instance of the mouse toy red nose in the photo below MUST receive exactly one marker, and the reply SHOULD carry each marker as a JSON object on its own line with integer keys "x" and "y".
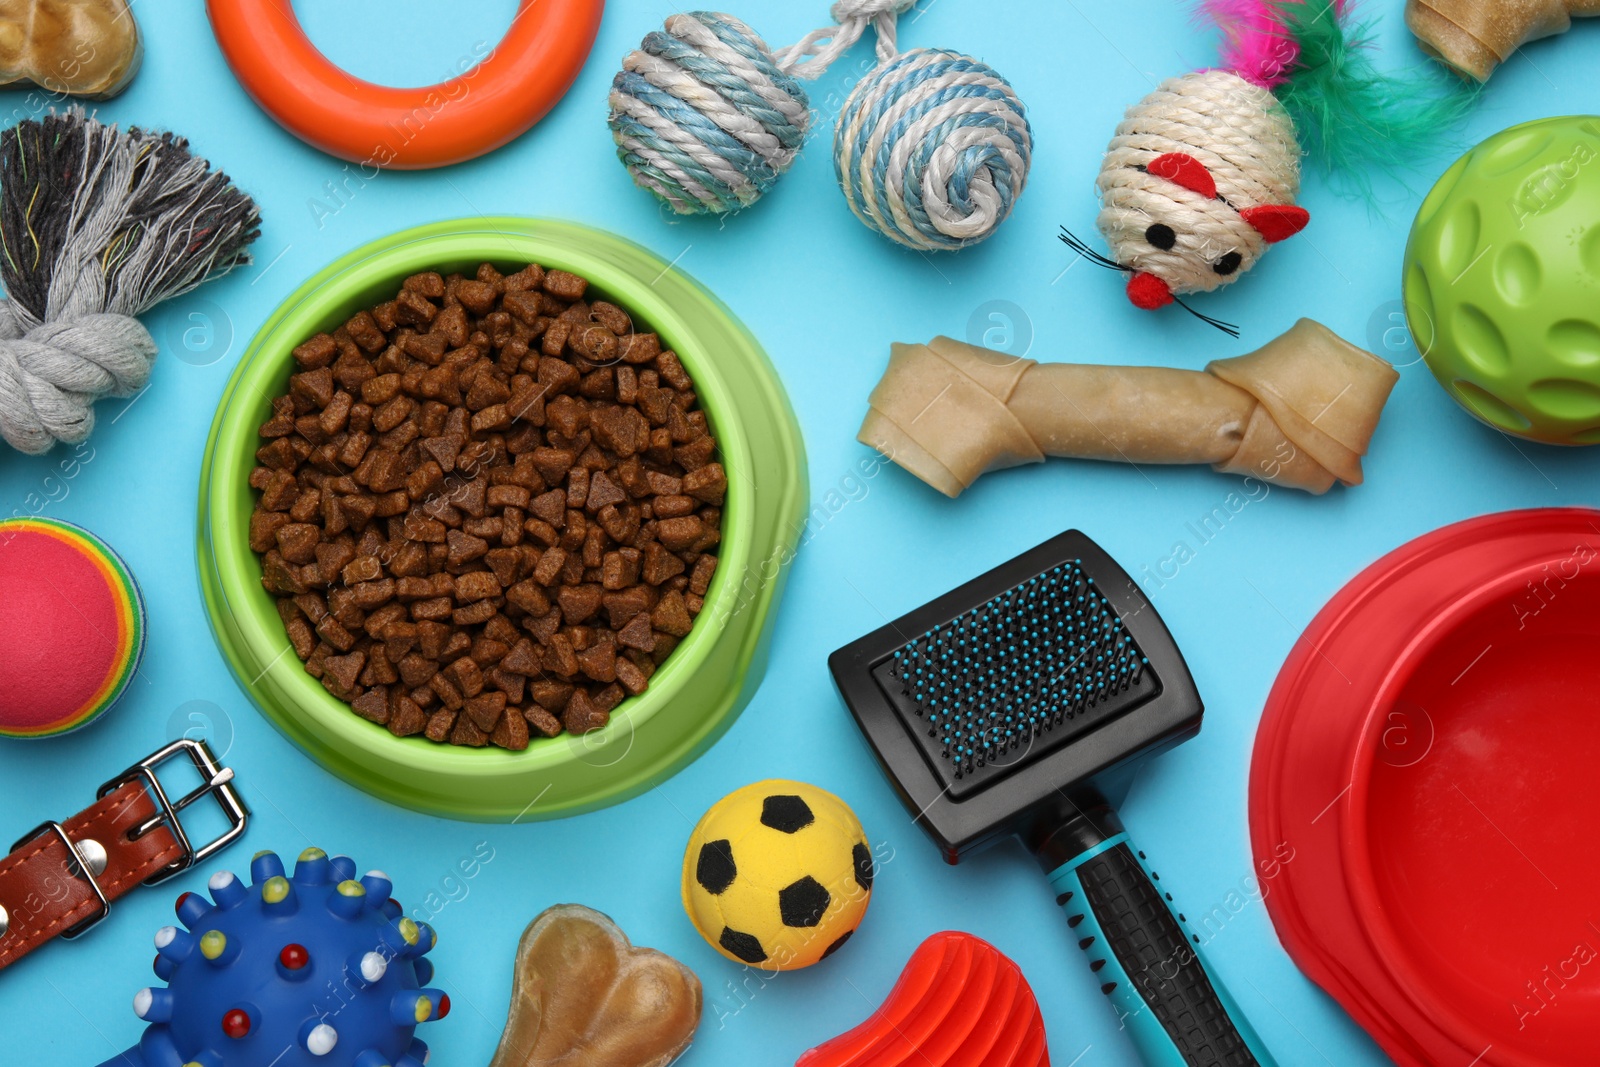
{"x": 1149, "y": 292}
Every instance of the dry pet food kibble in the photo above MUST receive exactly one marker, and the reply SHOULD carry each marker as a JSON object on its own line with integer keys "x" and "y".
{"x": 488, "y": 508}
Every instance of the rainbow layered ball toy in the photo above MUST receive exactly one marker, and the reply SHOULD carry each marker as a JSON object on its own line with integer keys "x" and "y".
{"x": 777, "y": 875}
{"x": 73, "y": 626}
{"x": 1502, "y": 280}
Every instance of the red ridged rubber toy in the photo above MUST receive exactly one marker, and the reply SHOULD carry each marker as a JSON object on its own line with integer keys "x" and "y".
{"x": 960, "y": 1002}
{"x": 485, "y": 106}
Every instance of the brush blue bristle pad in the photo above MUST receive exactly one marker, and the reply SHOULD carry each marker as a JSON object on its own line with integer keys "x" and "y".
{"x": 1043, "y": 660}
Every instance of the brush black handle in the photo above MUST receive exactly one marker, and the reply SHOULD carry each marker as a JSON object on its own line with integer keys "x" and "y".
{"x": 1149, "y": 963}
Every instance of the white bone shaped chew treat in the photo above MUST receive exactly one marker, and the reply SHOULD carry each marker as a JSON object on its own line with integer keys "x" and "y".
{"x": 1300, "y": 411}
{"x": 88, "y": 48}
{"x": 582, "y": 994}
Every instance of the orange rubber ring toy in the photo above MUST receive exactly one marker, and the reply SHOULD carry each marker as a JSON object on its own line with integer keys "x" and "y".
{"x": 512, "y": 87}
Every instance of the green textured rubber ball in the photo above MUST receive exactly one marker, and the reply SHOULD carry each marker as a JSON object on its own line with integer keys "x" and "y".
{"x": 1502, "y": 280}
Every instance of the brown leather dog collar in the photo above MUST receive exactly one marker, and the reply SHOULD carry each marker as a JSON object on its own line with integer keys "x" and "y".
{"x": 61, "y": 877}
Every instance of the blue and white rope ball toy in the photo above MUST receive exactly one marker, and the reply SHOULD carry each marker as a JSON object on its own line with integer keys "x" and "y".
{"x": 318, "y": 968}
{"x": 931, "y": 149}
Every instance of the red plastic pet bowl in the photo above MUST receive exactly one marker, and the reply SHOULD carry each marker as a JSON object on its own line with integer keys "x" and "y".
{"x": 1427, "y": 762}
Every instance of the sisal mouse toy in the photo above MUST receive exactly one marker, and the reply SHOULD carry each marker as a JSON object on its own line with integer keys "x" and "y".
{"x": 1203, "y": 174}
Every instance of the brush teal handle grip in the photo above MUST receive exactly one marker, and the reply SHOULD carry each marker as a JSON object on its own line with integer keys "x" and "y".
{"x": 1149, "y": 965}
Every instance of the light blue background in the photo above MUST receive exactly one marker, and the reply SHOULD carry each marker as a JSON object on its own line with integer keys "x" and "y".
{"x": 826, "y": 297}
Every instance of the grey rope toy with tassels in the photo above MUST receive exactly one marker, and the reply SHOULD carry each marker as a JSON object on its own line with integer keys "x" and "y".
{"x": 97, "y": 226}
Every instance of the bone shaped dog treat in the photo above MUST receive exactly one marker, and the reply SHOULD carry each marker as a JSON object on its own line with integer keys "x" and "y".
{"x": 1476, "y": 36}
{"x": 583, "y": 996}
{"x": 85, "y": 48}
{"x": 1298, "y": 412}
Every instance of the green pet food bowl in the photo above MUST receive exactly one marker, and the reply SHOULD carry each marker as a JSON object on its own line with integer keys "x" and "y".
{"x": 695, "y": 695}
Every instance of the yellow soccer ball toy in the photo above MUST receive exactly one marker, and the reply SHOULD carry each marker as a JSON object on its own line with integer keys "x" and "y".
{"x": 777, "y": 875}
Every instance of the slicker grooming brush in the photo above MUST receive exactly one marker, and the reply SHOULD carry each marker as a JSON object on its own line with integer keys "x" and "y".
{"x": 1020, "y": 705}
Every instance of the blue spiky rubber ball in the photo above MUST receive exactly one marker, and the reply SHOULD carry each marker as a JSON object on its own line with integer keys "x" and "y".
{"x": 315, "y": 969}
{"x": 1502, "y": 280}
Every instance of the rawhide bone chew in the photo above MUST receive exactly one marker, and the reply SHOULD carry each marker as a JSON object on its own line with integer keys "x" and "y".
{"x": 1298, "y": 411}
{"x": 932, "y": 147}
{"x": 582, "y": 994}
{"x": 1473, "y": 37}
{"x": 98, "y": 225}
{"x": 88, "y": 48}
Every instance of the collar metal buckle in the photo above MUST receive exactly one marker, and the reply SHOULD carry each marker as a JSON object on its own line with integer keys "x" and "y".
{"x": 216, "y": 780}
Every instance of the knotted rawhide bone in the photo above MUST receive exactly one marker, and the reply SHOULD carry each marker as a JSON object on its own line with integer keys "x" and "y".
{"x": 1476, "y": 36}
{"x": 1297, "y": 412}
{"x": 98, "y": 225}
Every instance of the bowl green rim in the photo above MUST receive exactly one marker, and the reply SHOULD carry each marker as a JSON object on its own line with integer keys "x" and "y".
{"x": 718, "y": 665}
